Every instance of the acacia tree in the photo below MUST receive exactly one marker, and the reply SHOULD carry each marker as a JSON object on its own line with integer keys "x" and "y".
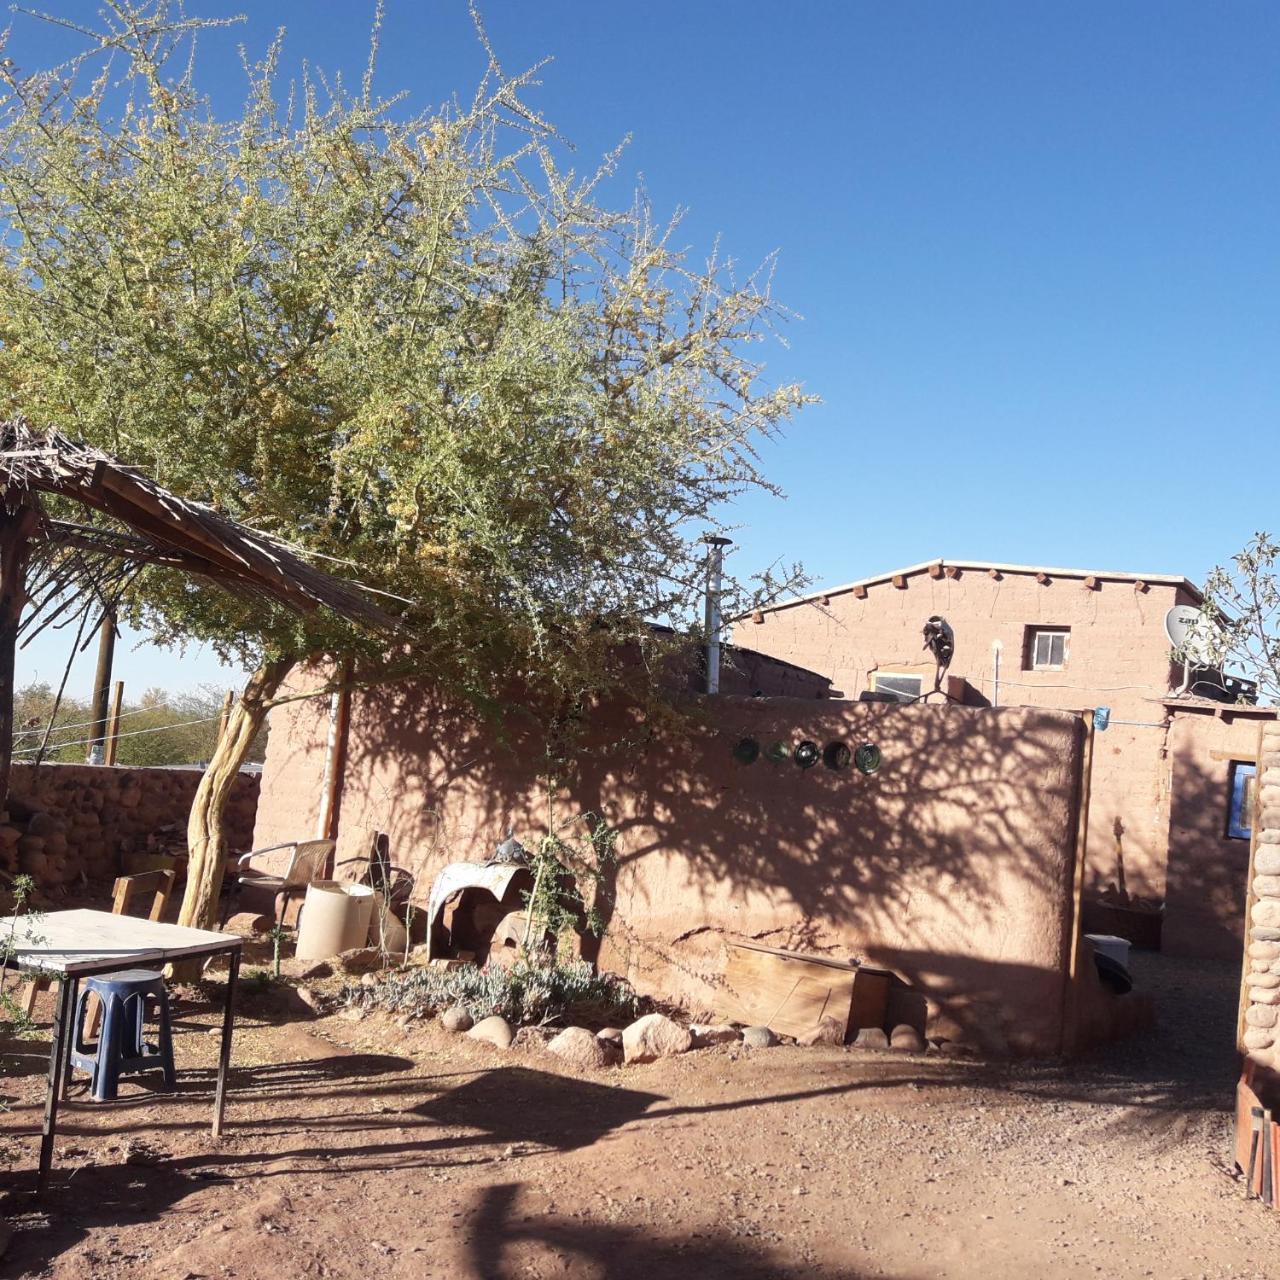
{"x": 1242, "y": 616}
{"x": 410, "y": 342}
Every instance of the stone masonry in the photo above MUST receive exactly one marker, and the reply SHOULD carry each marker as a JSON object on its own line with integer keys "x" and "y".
{"x": 1262, "y": 980}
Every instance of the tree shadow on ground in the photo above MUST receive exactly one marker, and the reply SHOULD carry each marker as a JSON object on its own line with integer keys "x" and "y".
{"x": 499, "y": 1234}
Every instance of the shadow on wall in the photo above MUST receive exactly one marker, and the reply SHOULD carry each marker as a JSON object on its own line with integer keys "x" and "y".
{"x": 1208, "y": 869}
{"x": 952, "y": 864}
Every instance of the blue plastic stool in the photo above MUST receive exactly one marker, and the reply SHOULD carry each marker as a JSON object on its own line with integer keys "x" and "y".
{"x": 120, "y": 1048}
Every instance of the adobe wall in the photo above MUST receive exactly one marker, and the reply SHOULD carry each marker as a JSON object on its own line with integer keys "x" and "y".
{"x": 953, "y": 865}
{"x": 1119, "y": 657}
{"x": 67, "y": 820}
{"x": 1208, "y": 870}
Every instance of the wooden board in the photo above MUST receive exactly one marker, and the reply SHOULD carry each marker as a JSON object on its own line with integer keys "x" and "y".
{"x": 69, "y": 943}
{"x": 790, "y": 992}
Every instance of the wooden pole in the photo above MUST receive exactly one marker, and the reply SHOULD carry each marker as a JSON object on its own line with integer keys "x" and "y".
{"x": 17, "y": 521}
{"x": 102, "y": 685}
{"x": 1071, "y": 994}
{"x": 113, "y": 724}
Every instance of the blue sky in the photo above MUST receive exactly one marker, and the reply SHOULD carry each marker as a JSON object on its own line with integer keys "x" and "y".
{"x": 1034, "y": 248}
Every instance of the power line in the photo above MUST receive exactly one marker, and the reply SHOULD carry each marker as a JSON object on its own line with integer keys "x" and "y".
{"x": 132, "y": 733}
{"x": 84, "y": 724}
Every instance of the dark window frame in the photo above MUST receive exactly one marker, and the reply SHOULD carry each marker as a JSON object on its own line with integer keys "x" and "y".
{"x": 1239, "y": 799}
{"x": 1031, "y": 643}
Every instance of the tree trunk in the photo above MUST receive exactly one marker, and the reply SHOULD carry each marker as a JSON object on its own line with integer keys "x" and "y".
{"x": 205, "y": 841}
{"x": 16, "y": 525}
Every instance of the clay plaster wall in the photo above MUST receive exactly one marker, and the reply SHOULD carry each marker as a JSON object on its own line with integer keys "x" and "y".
{"x": 953, "y": 865}
{"x": 1208, "y": 870}
{"x": 1119, "y": 657}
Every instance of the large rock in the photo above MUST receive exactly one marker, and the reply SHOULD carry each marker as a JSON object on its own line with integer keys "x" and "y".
{"x": 1267, "y": 886}
{"x": 1266, "y": 861}
{"x": 456, "y": 1018}
{"x": 906, "y": 1039}
{"x": 1261, "y": 1015}
{"x": 1264, "y": 950}
{"x": 1264, "y": 995}
{"x": 758, "y": 1038}
{"x": 1258, "y": 1037}
{"x": 655, "y": 1036}
{"x": 828, "y": 1031}
{"x": 871, "y": 1038}
{"x": 360, "y": 960}
{"x": 705, "y": 1036}
{"x": 579, "y": 1048}
{"x": 495, "y": 1031}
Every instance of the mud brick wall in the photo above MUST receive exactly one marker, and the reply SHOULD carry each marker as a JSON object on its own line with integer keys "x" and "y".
{"x": 953, "y": 865}
{"x": 64, "y": 822}
{"x": 1261, "y": 1040}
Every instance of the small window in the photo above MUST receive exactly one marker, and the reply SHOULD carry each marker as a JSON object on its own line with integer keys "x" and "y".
{"x": 1240, "y": 800}
{"x": 1047, "y": 648}
{"x": 906, "y": 688}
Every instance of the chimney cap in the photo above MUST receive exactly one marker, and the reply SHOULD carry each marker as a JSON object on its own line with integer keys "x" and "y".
{"x": 716, "y": 540}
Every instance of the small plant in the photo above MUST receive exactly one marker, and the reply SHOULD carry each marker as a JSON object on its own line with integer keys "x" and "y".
{"x": 571, "y": 877}
{"x": 21, "y": 889}
{"x": 525, "y": 994}
{"x": 277, "y": 933}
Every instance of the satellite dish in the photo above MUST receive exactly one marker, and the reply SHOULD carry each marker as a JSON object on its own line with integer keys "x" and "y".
{"x": 1189, "y": 633}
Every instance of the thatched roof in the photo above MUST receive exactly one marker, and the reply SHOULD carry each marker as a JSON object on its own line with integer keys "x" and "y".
{"x": 146, "y": 524}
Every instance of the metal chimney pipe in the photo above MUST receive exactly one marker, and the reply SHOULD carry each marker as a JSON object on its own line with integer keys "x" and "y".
{"x": 715, "y": 574}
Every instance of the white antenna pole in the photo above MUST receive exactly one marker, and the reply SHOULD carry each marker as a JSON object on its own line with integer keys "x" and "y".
{"x": 715, "y": 577}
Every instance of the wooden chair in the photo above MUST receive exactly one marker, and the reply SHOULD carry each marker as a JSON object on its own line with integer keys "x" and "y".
{"x": 127, "y": 891}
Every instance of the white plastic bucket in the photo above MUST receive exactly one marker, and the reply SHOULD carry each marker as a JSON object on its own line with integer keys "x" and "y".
{"x": 335, "y": 918}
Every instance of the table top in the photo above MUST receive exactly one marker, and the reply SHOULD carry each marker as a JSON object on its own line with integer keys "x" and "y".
{"x": 72, "y": 943}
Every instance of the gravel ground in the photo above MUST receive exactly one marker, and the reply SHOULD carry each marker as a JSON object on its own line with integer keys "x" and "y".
{"x": 364, "y": 1147}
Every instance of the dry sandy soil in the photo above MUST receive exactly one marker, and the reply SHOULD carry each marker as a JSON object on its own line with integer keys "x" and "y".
{"x": 360, "y": 1149}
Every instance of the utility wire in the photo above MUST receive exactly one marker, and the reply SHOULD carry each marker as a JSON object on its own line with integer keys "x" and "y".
{"x": 132, "y": 733}
{"x": 84, "y": 724}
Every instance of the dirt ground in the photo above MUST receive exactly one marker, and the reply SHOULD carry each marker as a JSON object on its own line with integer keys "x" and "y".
{"x": 364, "y": 1148}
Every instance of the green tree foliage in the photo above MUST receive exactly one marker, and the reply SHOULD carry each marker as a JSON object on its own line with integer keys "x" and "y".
{"x": 1241, "y": 616}
{"x": 409, "y": 341}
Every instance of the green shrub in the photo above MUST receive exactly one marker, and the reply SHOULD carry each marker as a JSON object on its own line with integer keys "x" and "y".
{"x": 525, "y": 994}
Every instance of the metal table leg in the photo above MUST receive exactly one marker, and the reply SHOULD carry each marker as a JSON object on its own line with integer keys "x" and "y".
{"x": 57, "y": 1059}
{"x": 224, "y": 1056}
{"x": 70, "y": 1037}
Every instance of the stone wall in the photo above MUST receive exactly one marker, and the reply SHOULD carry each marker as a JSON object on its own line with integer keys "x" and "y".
{"x": 68, "y": 821}
{"x": 1261, "y": 997}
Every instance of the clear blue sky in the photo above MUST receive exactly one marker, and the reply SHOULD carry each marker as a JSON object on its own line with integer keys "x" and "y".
{"x": 1034, "y": 248}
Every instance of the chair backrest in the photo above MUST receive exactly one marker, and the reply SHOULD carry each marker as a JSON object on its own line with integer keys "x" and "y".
{"x": 311, "y": 860}
{"x": 129, "y": 888}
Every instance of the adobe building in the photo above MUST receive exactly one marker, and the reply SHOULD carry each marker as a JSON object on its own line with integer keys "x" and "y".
{"x": 1170, "y": 766}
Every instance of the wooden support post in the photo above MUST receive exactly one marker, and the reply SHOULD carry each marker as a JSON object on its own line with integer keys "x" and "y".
{"x": 17, "y": 522}
{"x": 1071, "y": 994}
{"x": 113, "y": 724}
{"x": 102, "y": 686}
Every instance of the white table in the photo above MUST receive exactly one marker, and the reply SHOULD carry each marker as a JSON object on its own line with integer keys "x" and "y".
{"x": 70, "y": 945}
